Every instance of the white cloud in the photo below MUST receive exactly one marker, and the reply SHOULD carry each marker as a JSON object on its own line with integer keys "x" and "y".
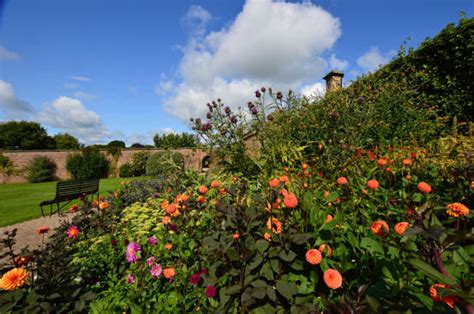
{"x": 337, "y": 64}
{"x": 372, "y": 59}
{"x": 6, "y": 54}
{"x": 71, "y": 85}
{"x": 10, "y": 105}
{"x": 196, "y": 19}
{"x": 269, "y": 43}
{"x": 80, "y": 78}
{"x": 317, "y": 89}
{"x": 84, "y": 96}
{"x": 164, "y": 86}
{"x": 71, "y": 116}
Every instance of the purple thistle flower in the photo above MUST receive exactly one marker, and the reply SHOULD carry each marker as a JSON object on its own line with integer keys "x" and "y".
{"x": 156, "y": 270}
{"x": 152, "y": 241}
{"x": 132, "y": 250}
{"x": 254, "y": 110}
{"x": 130, "y": 279}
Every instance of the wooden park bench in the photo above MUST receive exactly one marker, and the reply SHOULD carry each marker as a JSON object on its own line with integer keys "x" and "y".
{"x": 71, "y": 190}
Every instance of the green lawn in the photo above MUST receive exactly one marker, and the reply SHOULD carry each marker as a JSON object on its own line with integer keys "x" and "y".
{"x": 20, "y": 201}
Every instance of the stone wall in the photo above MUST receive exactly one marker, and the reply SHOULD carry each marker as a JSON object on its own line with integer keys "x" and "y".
{"x": 192, "y": 159}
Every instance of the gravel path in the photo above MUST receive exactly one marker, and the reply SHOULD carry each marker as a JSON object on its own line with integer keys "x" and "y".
{"x": 26, "y": 231}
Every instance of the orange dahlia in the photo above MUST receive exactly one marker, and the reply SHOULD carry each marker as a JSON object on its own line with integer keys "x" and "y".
{"x": 166, "y": 220}
{"x": 104, "y": 205}
{"x": 290, "y": 200}
{"x": 284, "y": 179}
{"x": 324, "y": 248}
{"x": 406, "y": 162}
{"x": 457, "y": 209}
{"x": 332, "y": 278}
{"x": 305, "y": 166}
{"x": 236, "y": 236}
{"x": 313, "y": 257}
{"x": 341, "y": 181}
{"x": 215, "y": 184}
{"x": 380, "y": 228}
{"x": 267, "y": 236}
{"x": 171, "y": 208}
{"x": 42, "y": 230}
{"x": 275, "y": 225}
{"x": 164, "y": 204}
{"x": 273, "y": 182}
{"x": 373, "y": 184}
{"x": 168, "y": 246}
{"x": 401, "y": 227}
{"x": 329, "y": 218}
{"x": 169, "y": 272}
{"x": 424, "y": 187}
{"x": 14, "y": 279}
{"x": 382, "y": 162}
{"x": 203, "y": 189}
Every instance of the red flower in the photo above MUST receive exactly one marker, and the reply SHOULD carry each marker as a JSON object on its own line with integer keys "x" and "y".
{"x": 211, "y": 291}
{"x": 284, "y": 179}
{"x": 73, "y": 232}
{"x": 450, "y": 300}
{"x": 424, "y": 187}
{"x": 42, "y": 230}
{"x": 401, "y": 227}
{"x": 332, "y": 278}
{"x": 329, "y": 218}
{"x": 380, "y": 228}
{"x": 406, "y": 162}
{"x": 236, "y": 236}
{"x": 195, "y": 278}
{"x": 372, "y": 184}
{"x": 313, "y": 257}
{"x": 382, "y": 162}
{"x": 203, "y": 189}
{"x": 290, "y": 200}
{"x": 341, "y": 180}
{"x": 215, "y": 184}
{"x": 273, "y": 182}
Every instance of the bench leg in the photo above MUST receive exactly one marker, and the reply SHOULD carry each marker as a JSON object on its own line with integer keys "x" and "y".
{"x": 42, "y": 213}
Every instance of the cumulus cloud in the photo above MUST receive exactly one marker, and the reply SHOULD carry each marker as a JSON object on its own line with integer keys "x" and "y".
{"x": 317, "y": 89}
{"x": 270, "y": 43}
{"x": 11, "y": 106}
{"x": 337, "y": 64}
{"x": 71, "y": 116}
{"x": 196, "y": 19}
{"x": 372, "y": 59}
{"x": 164, "y": 86}
{"x": 146, "y": 137}
{"x": 84, "y": 95}
{"x": 6, "y": 54}
{"x": 80, "y": 78}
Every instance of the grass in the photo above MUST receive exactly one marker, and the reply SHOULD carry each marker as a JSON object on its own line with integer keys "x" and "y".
{"x": 20, "y": 201}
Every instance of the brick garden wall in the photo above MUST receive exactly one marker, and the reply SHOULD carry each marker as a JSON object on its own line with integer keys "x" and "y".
{"x": 192, "y": 159}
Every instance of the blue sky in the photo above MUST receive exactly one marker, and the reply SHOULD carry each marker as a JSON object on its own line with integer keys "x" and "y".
{"x": 125, "y": 69}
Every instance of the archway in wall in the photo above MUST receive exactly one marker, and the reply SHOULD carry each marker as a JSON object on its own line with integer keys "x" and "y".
{"x": 205, "y": 163}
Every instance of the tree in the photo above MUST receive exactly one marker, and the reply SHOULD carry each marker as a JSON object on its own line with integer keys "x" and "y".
{"x": 117, "y": 143}
{"x": 66, "y": 141}
{"x": 7, "y": 168}
{"x": 24, "y": 135}
{"x": 174, "y": 140}
{"x": 138, "y": 145}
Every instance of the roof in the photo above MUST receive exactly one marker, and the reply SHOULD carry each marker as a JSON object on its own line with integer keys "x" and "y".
{"x": 333, "y": 73}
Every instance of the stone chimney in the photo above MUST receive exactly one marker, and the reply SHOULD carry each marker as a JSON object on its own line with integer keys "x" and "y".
{"x": 333, "y": 80}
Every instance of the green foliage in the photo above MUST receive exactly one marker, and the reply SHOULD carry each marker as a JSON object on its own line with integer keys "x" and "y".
{"x": 41, "y": 169}
{"x": 24, "y": 135}
{"x": 90, "y": 164}
{"x": 125, "y": 170}
{"x": 138, "y": 163}
{"x": 116, "y": 143}
{"x": 7, "y": 168}
{"x": 66, "y": 141}
{"x": 164, "y": 163}
{"x": 174, "y": 140}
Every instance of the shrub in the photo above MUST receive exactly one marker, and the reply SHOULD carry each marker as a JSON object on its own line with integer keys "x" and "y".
{"x": 41, "y": 169}
{"x": 164, "y": 163}
{"x": 90, "y": 164}
{"x": 138, "y": 164}
{"x": 126, "y": 170}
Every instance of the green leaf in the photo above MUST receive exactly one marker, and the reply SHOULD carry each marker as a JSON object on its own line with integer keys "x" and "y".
{"x": 265, "y": 309}
{"x": 332, "y": 197}
{"x": 271, "y": 293}
{"x": 371, "y": 245}
{"x": 275, "y": 265}
{"x": 297, "y": 264}
{"x": 232, "y": 289}
{"x": 286, "y": 288}
{"x": 258, "y": 260}
{"x": 250, "y": 243}
{"x": 262, "y": 245}
{"x": 259, "y": 283}
{"x": 266, "y": 271}
{"x": 287, "y": 256}
{"x": 232, "y": 254}
{"x": 428, "y": 270}
{"x": 259, "y": 292}
{"x": 301, "y": 238}
{"x": 417, "y": 197}
{"x": 373, "y": 303}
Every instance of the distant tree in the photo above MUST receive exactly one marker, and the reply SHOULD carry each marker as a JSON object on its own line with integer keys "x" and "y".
{"x": 24, "y": 135}
{"x": 138, "y": 145}
{"x": 117, "y": 143}
{"x": 7, "y": 168}
{"x": 174, "y": 140}
{"x": 66, "y": 141}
